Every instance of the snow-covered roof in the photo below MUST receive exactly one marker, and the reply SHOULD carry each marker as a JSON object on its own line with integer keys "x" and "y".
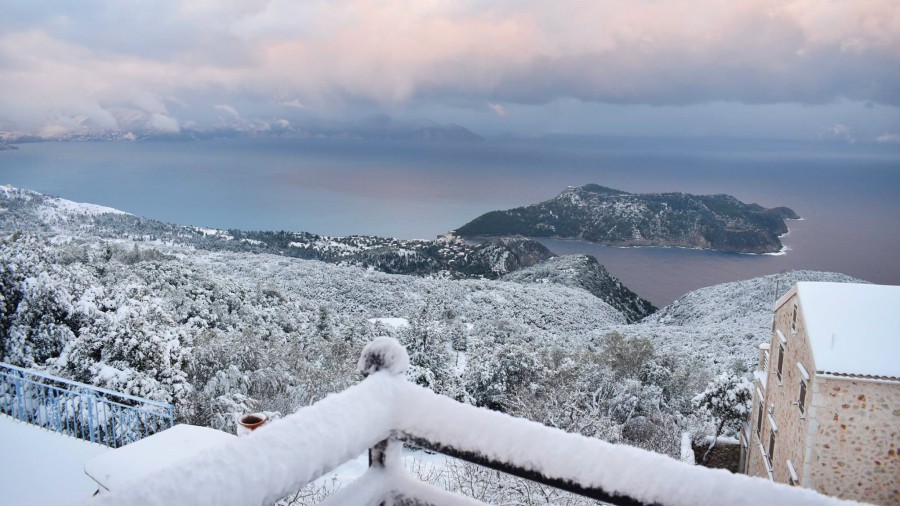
{"x": 114, "y": 469}
{"x": 43, "y": 467}
{"x": 853, "y": 329}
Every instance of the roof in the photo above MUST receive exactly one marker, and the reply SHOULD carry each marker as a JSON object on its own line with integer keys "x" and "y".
{"x": 114, "y": 469}
{"x": 853, "y": 329}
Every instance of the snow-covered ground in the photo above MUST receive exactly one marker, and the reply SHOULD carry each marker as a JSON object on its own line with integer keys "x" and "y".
{"x": 43, "y": 467}
{"x": 415, "y": 462}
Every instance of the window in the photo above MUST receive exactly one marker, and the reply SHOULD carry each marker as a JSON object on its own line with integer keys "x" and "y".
{"x": 771, "y": 454}
{"x": 793, "y": 480}
{"x": 794, "y": 320}
{"x": 781, "y": 336}
{"x": 801, "y": 401}
{"x": 780, "y": 361}
{"x": 759, "y": 421}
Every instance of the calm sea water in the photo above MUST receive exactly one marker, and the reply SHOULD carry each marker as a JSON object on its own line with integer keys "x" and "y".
{"x": 849, "y": 196}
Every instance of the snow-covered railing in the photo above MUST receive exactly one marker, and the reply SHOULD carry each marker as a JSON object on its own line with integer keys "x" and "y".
{"x": 384, "y": 410}
{"x": 91, "y": 413}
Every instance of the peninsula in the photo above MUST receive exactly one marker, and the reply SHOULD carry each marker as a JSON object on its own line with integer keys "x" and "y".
{"x": 604, "y": 215}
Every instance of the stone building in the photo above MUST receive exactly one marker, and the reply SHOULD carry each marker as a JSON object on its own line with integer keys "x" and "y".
{"x": 826, "y": 408}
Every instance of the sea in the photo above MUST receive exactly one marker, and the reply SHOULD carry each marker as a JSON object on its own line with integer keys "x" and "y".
{"x": 847, "y": 195}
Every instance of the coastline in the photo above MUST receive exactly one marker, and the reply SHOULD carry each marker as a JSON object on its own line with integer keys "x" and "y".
{"x": 780, "y": 252}
{"x": 784, "y": 247}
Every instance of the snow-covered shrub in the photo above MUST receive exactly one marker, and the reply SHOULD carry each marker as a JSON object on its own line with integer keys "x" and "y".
{"x": 493, "y": 375}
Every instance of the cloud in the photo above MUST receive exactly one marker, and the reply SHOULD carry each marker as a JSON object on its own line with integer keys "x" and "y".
{"x": 498, "y": 109}
{"x": 888, "y": 138}
{"x": 229, "y": 109}
{"x": 347, "y": 55}
{"x": 838, "y": 132}
{"x": 294, "y": 104}
{"x": 163, "y": 123}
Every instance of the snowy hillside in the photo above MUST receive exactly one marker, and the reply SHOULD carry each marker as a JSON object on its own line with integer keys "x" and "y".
{"x": 584, "y": 271}
{"x": 165, "y": 321}
{"x": 30, "y": 211}
{"x": 724, "y": 324}
{"x": 446, "y": 257}
{"x": 48, "y": 210}
{"x": 169, "y": 313}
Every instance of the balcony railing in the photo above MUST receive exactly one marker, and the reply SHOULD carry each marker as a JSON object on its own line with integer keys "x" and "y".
{"x": 384, "y": 410}
{"x": 79, "y": 410}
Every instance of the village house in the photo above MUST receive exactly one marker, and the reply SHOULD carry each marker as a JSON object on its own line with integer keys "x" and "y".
{"x": 826, "y": 407}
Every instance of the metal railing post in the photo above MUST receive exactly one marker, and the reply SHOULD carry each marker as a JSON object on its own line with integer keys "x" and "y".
{"x": 20, "y": 405}
{"x": 112, "y": 423}
{"x": 377, "y": 454}
{"x": 90, "y": 408}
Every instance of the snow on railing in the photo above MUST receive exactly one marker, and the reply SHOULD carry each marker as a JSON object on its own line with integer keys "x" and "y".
{"x": 91, "y": 413}
{"x": 384, "y": 410}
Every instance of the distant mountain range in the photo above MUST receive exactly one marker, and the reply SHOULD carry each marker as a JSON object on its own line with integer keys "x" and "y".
{"x": 136, "y": 126}
{"x": 607, "y": 216}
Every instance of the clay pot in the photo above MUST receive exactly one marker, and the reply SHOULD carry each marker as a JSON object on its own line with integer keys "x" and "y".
{"x": 249, "y": 423}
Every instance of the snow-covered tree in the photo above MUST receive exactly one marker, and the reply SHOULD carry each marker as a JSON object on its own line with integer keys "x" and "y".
{"x": 724, "y": 404}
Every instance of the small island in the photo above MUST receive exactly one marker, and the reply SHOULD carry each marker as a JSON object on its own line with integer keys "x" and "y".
{"x": 604, "y": 215}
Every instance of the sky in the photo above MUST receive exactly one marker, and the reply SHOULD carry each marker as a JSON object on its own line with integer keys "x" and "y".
{"x": 792, "y": 69}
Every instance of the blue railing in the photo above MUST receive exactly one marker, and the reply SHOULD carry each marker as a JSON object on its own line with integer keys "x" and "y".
{"x": 87, "y": 412}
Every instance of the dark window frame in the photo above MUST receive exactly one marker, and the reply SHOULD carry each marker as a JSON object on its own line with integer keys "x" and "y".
{"x": 801, "y": 398}
{"x": 780, "y": 369}
{"x": 759, "y": 420}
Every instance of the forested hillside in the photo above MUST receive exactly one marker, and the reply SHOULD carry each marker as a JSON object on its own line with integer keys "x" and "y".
{"x": 607, "y": 216}
{"x": 220, "y": 332}
{"x": 25, "y": 210}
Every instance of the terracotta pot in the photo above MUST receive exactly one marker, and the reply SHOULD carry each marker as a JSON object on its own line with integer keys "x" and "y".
{"x": 249, "y": 423}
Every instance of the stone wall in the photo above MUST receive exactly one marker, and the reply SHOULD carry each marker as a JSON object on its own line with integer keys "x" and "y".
{"x": 845, "y": 443}
{"x": 725, "y": 455}
{"x": 854, "y": 451}
{"x": 791, "y": 436}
